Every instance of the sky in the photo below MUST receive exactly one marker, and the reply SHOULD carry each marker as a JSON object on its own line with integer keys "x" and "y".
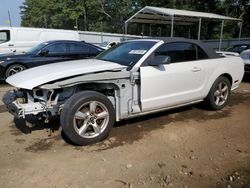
{"x": 13, "y": 7}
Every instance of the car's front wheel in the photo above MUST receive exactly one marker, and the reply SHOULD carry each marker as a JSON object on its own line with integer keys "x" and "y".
{"x": 87, "y": 117}
{"x": 219, "y": 94}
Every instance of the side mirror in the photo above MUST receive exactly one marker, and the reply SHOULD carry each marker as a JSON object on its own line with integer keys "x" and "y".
{"x": 43, "y": 52}
{"x": 160, "y": 60}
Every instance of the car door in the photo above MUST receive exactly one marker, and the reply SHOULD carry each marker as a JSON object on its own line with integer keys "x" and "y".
{"x": 175, "y": 83}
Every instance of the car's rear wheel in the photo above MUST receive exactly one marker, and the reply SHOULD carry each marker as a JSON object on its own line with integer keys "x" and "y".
{"x": 219, "y": 94}
{"x": 13, "y": 69}
{"x": 87, "y": 117}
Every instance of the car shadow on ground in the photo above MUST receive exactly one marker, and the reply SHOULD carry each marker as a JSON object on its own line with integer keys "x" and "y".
{"x": 3, "y": 83}
{"x": 34, "y": 124}
{"x": 131, "y": 130}
{"x": 246, "y": 78}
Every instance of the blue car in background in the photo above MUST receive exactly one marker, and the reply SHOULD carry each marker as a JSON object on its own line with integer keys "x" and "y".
{"x": 46, "y": 53}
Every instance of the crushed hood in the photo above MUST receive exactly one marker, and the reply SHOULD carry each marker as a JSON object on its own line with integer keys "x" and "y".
{"x": 37, "y": 76}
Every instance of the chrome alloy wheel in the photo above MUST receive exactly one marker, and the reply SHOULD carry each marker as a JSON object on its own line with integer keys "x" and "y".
{"x": 221, "y": 94}
{"x": 91, "y": 119}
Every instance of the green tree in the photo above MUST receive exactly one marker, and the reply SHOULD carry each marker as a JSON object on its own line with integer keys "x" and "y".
{"x": 239, "y": 9}
{"x": 53, "y": 13}
{"x": 109, "y": 15}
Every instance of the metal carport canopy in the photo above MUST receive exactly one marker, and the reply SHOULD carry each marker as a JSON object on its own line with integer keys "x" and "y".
{"x": 157, "y": 15}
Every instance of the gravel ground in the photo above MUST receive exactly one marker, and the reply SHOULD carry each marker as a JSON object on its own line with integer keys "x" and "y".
{"x": 186, "y": 147}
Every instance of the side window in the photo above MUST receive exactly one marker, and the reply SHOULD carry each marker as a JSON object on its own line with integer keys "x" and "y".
{"x": 201, "y": 54}
{"x": 178, "y": 51}
{"x": 73, "y": 48}
{"x": 57, "y": 48}
{"x": 4, "y": 36}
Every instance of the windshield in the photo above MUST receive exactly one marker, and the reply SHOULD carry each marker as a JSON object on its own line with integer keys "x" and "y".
{"x": 37, "y": 48}
{"x": 127, "y": 53}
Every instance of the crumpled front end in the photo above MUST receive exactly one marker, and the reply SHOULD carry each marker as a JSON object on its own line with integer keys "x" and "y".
{"x": 10, "y": 100}
{"x": 36, "y": 102}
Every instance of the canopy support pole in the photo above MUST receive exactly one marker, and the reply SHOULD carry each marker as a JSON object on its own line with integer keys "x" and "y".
{"x": 240, "y": 30}
{"x": 172, "y": 26}
{"x": 126, "y": 28}
{"x": 150, "y": 30}
{"x": 199, "y": 31}
{"x": 142, "y": 30}
{"x": 221, "y": 34}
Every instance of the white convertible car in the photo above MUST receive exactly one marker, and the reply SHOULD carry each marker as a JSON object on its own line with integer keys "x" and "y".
{"x": 131, "y": 79}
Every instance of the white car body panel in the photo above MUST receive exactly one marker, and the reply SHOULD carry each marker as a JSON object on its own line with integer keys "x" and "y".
{"x": 170, "y": 84}
{"x": 178, "y": 83}
{"x": 37, "y": 76}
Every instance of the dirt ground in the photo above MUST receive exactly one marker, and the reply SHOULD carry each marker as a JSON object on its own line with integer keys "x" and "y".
{"x": 183, "y": 148}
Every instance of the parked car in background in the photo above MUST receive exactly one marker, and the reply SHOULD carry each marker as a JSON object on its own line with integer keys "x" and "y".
{"x": 46, "y": 53}
{"x": 238, "y": 48}
{"x": 245, "y": 55}
{"x": 234, "y": 50}
{"x": 131, "y": 79}
{"x": 21, "y": 39}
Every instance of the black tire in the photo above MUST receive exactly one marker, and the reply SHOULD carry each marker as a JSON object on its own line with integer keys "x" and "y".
{"x": 13, "y": 69}
{"x": 212, "y": 98}
{"x": 78, "y": 103}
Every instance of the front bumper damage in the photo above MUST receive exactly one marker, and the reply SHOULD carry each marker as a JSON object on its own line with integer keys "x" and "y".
{"x": 9, "y": 99}
{"x": 15, "y": 102}
{"x": 21, "y": 104}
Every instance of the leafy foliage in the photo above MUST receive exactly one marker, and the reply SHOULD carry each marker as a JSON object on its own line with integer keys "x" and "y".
{"x": 109, "y": 15}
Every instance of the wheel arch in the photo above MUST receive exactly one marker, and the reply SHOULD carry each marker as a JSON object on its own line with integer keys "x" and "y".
{"x": 220, "y": 99}
{"x": 97, "y": 86}
{"x": 72, "y": 106}
{"x": 214, "y": 78}
{"x": 107, "y": 89}
{"x": 228, "y": 76}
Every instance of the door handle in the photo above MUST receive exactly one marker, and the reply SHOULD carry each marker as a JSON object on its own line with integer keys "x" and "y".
{"x": 196, "y": 69}
{"x": 11, "y": 45}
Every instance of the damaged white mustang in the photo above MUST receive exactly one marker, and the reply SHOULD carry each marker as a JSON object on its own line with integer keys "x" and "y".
{"x": 133, "y": 78}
